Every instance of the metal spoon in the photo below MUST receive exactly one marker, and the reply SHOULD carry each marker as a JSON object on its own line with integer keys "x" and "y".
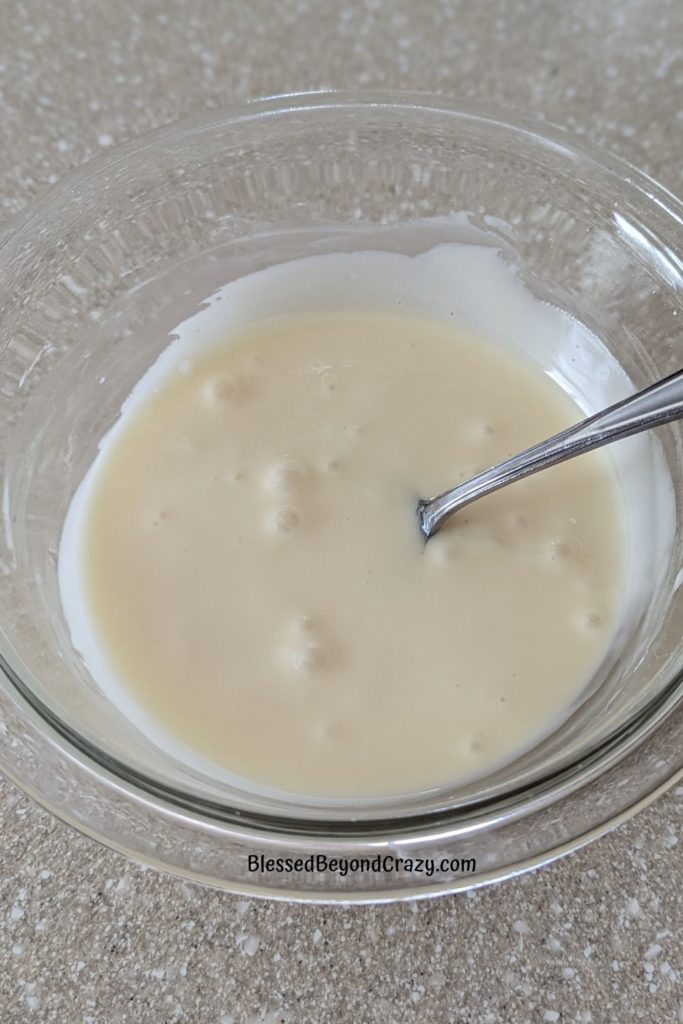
{"x": 661, "y": 403}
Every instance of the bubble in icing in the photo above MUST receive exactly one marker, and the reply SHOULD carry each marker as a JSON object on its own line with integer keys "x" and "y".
{"x": 225, "y": 389}
{"x": 285, "y": 519}
{"x": 159, "y": 516}
{"x": 591, "y": 618}
{"x": 440, "y": 550}
{"x": 285, "y": 475}
{"x": 559, "y": 549}
{"x": 482, "y": 430}
{"x": 517, "y": 521}
{"x": 308, "y": 657}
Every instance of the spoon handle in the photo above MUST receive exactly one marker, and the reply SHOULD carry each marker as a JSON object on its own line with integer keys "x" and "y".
{"x": 661, "y": 403}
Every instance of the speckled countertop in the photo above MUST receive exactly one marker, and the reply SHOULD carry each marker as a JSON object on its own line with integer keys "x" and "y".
{"x": 88, "y": 937}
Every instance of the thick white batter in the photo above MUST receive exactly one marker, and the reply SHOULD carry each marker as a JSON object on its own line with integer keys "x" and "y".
{"x": 243, "y": 571}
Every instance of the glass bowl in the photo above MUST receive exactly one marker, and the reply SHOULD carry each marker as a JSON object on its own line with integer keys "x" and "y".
{"x": 94, "y": 277}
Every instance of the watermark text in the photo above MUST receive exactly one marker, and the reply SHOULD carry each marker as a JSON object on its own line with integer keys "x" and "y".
{"x": 386, "y": 863}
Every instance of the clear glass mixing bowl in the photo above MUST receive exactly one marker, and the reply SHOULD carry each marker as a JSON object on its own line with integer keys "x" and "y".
{"x": 93, "y": 277}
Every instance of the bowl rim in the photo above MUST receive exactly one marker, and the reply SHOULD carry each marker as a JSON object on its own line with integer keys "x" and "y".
{"x": 126, "y": 784}
{"x": 564, "y": 140}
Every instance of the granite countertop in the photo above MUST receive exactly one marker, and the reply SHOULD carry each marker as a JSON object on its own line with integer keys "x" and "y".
{"x": 90, "y": 938}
